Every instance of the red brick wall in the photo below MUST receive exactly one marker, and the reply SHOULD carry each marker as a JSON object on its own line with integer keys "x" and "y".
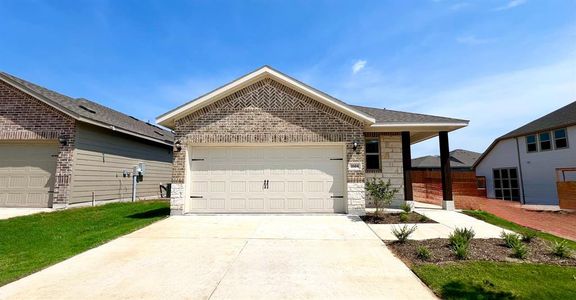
{"x": 427, "y": 185}
{"x": 26, "y": 119}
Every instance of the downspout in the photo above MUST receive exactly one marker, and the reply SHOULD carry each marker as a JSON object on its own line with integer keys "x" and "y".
{"x": 520, "y": 169}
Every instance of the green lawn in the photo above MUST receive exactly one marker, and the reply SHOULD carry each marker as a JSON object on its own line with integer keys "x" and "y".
{"x": 31, "y": 243}
{"x": 492, "y": 219}
{"x": 489, "y": 280}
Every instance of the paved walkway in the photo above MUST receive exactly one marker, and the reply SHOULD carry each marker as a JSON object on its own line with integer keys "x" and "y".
{"x": 225, "y": 257}
{"x": 8, "y": 212}
{"x": 447, "y": 222}
{"x": 558, "y": 223}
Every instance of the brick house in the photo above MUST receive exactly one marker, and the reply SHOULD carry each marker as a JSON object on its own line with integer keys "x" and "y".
{"x": 267, "y": 143}
{"x": 57, "y": 151}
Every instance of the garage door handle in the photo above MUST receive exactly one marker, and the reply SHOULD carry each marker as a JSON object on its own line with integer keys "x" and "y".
{"x": 196, "y": 197}
{"x": 339, "y": 197}
{"x": 51, "y": 192}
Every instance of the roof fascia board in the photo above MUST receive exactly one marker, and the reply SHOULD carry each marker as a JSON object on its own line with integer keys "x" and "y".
{"x": 219, "y": 93}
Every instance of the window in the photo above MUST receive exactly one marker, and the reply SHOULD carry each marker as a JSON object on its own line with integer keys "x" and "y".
{"x": 372, "y": 154}
{"x": 506, "y": 185}
{"x": 545, "y": 143}
{"x": 531, "y": 144}
{"x": 481, "y": 182}
{"x": 560, "y": 139}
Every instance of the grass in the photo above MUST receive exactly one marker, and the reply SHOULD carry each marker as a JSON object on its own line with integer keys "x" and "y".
{"x": 490, "y": 280}
{"x": 31, "y": 243}
{"x": 492, "y": 219}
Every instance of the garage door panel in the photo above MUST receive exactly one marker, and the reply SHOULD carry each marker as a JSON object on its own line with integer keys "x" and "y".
{"x": 300, "y": 179}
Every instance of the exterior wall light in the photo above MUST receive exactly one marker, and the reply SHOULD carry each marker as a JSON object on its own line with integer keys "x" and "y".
{"x": 354, "y": 145}
{"x": 178, "y": 146}
{"x": 63, "y": 140}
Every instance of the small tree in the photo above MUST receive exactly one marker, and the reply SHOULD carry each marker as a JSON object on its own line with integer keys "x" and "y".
{"x": 381, "y": 192}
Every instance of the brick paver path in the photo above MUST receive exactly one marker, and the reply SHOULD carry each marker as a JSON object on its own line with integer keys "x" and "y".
{"x": 558, "y": 223}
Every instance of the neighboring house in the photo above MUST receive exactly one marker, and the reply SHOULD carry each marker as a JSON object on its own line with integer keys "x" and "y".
{"x": 57, "y": 151}
{"x": 522, "y": 165}
{"x": 460, "y": 160}
{"x": 267, "y": 143}
{"x": 426, "y": 177}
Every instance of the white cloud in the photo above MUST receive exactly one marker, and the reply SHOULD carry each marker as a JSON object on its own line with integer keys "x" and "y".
{"x": 472, "y": 40}
{"x": 358, "y": 65}
{"x": 511, "y": 4}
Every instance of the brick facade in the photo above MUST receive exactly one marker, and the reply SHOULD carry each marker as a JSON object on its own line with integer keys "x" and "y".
{"x": 269, "y": 112}
{"x": 26, "y": 119}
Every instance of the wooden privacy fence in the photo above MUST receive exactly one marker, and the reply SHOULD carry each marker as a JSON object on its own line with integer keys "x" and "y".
{"x": 566, "y": 187}
{"x": 427, "y": 185}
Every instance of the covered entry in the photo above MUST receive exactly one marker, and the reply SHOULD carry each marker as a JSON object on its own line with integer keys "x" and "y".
{"x": 267, "y": 179}
{"x": 27, "y": 174}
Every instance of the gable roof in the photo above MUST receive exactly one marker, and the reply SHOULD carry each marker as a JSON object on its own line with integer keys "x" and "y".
{"x": 562, "y": 117}
{"x": 91, "y": 112}
{"x": 371, "y": 117}
{"x": 167, "y": 119}
{"x": 459, "y": 158}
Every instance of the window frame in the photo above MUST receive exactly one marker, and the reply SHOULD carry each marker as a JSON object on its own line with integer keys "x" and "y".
{"x": 535, "y": 143}
{"x": 378, "y": 154}
{"x": 553, "y": 136}
{"x": 549, "y": 141}
{"x": 506, "y": 191}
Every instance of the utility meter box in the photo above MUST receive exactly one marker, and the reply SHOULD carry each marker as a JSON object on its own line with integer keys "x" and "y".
{"x": 142, "y": 168}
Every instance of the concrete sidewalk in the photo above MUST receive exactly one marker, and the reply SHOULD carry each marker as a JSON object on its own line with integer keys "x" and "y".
{"x": 447, "y": 222}
{"x": 9, "y": 212}
{"x": 232, "y": 257}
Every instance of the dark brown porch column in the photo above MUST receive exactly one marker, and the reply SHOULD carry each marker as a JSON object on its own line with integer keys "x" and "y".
{"x": 447, "y": 202}
{"x": 407, "y": 166}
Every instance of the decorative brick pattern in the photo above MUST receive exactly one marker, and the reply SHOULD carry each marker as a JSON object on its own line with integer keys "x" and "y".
{"x": 269, "y": 112}
{"x": 25, "y": 119}
{"x": 390, "y": 164}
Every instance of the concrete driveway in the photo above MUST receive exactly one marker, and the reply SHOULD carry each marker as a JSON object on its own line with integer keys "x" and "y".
{"x": 232, "y": 257}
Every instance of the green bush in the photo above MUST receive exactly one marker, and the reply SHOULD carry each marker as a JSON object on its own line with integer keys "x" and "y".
{"x": 561, "y": 249}
{"x": 402, "y": 233}
{"x": 519, "y": 250}
{"x": 528, "y": 236}
{"x": 460, "y": 249}
{"x": 403, "y": 217}
{"x": 381, "y": 192}
{"x": 510, "y": 239}
{"x": 461, "y": 236}
{"x": 423, "y": 253}
{"x": 406, "y": 208}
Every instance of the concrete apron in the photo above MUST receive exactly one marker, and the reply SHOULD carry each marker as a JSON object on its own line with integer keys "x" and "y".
{"x": 232, "y": 257}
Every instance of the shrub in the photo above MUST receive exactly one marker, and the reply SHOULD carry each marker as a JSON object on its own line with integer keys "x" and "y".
{"x": 519, "y": 250}
{"x": 406, "y": 207}
{"x": 460, "y": 249}
{"x": 461, "y": 236}
{"x": 402, "y": 233}
{"x": 561, "y": 249}
{"x": 528, "y": 236}
{"x": 510, "y": 239}
{"x": 423, "y": 253}
{"x": 381, "y": 192}
{"x": 403, "y": 217}
{"x": 424, "y": 218}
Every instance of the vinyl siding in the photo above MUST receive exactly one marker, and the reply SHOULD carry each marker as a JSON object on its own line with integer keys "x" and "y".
{"x": 100, "y": 158}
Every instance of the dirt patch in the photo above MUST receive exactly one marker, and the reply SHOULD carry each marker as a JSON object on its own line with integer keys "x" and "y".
{"x": 395, "y": 218}
{"x": 480, "y": 250}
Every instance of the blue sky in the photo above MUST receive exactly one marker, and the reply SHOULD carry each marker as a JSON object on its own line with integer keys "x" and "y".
{"x": 498, "y": 63}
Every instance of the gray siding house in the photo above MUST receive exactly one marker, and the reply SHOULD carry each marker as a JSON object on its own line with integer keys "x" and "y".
{"x": 57, "y": 151}
{"x": 524, "y": 165}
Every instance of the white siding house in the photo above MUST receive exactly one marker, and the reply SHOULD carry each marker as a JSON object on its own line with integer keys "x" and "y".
{"x": 522, "y": 165}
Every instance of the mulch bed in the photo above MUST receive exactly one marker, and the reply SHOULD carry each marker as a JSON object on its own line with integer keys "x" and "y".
{"x": 480, "y": 250}
{"x": 394, "y": 218}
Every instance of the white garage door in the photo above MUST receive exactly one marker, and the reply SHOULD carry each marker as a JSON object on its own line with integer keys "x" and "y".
{"x": 27, "y": 174}
{"x": 285, "y": 179}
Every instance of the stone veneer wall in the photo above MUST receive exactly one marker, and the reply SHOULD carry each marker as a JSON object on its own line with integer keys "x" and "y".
{"x": 269, "y": 112}
{"x": 390, "y": 164}
{"x": 24, "y": 119}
